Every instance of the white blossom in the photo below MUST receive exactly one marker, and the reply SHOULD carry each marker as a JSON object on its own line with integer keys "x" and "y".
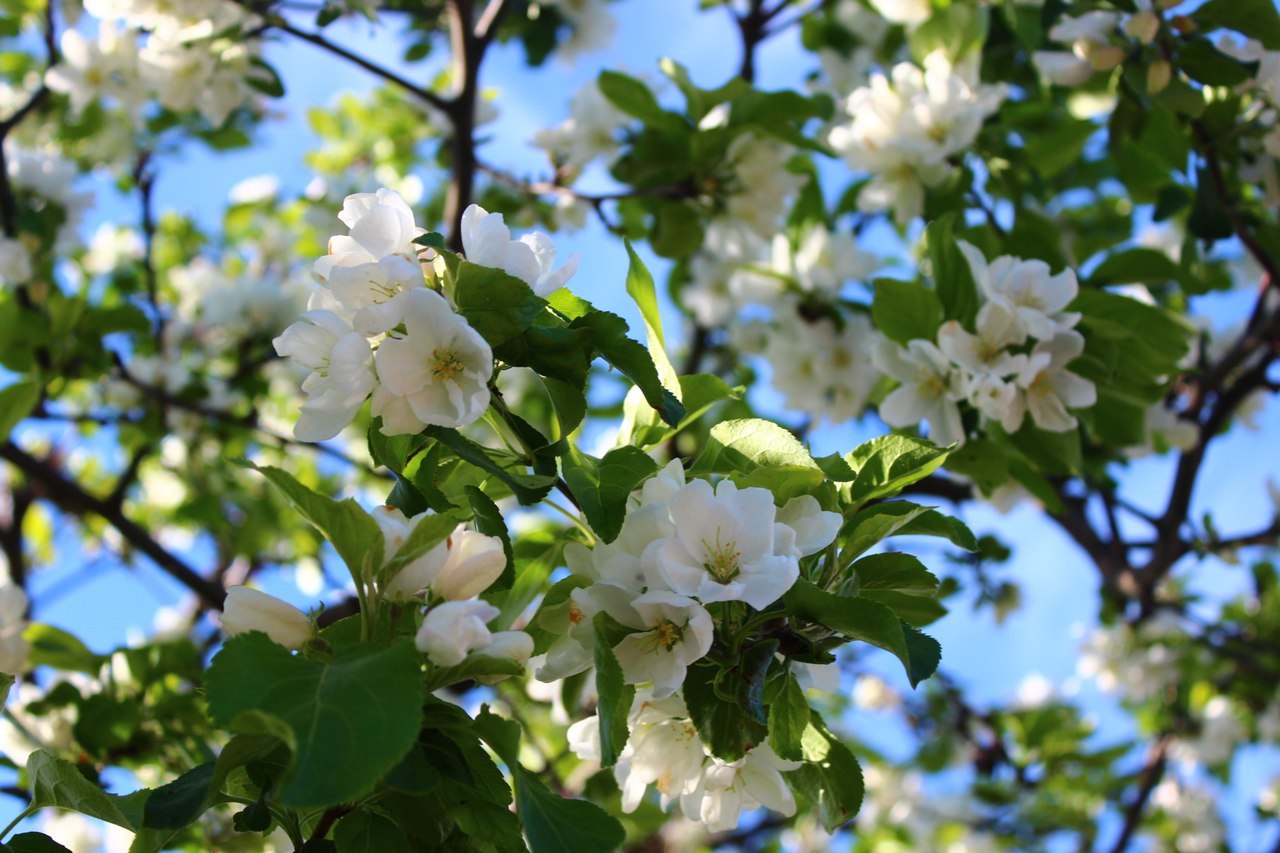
{"x": 453, "y": 629}
{"x": 1027, "y": 297}
{"x": 15, "y": 261}
{"x": 341, "y": 365}
{"x": 727, "y": 546}
{"x": 929, "y": 389}
{"x": 904, "y": 128}
{"x": 822, "y": 369}
{"x": 486, "y": 240}
{"x": 436, "y": 372}
{"x": 674, "y": 632}
{"x": 728, "y": 789}
{"x": 1048, "y": 389}
{"x": 247, "y": 609}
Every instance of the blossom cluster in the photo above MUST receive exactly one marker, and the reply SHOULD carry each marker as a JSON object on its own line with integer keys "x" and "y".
{"x": 905, "y": 127}
{"x": 374, "y": 328}
{"x": 820, "y": 361}
{"x": 683, "y": 545}
{"x": 447, "y": 578}
{"x": 178, "y": 54}
{"x": 664, "y": 750}
{"x": 1013, "y": 363}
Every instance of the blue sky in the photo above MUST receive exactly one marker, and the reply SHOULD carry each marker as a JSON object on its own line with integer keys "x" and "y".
{"x": 1059, "y": 585}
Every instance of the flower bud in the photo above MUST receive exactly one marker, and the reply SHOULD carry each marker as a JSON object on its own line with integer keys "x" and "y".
{"x": 1101, "y": 57}
{"x": 1159, "y": 73}
{"x": 416, "y": 576}
{"x": 507, "y": 645}
{"x": 474, "y": 561}
{"x": 249, "y": 609}
{"x": 453, "y": 629}
{"x": 1144, "y": 26}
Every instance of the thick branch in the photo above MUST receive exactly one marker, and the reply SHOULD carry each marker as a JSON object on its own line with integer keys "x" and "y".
{"x": 467, "y": 53}
{"x": 71, "y": 498}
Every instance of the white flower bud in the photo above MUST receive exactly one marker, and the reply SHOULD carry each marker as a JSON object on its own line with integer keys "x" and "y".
{"x": 1144, "y": 26}
{"x": 249, "y": 609}
{"x": 507, "y": 645}
{"x": 474, "y": 561}
{"x": 1159, "y": 73}
{"x": 455, "y": 628}
{"x": 417, "y": 575}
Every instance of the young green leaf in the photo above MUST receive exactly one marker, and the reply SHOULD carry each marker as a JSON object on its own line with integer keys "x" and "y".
{"x": 905, "y": 310}
{"x": 352, "y": 531}
{"x": 831, "y": 777}
{"x": 614, "y": 704}
{"x": 602, "y": 486}
{"x": 788, "y": 719}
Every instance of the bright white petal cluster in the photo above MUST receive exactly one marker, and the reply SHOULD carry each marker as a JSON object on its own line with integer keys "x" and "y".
{"x": 486, "y": 240}
{"x": 590, "y": 133}
{"x": 904, "y": 128}
{"x": 1012, "y": 365}
{"x": 664, "y": 751}
{"x": 175, "y": 53}
{"x": 682, "y": 545}
{"x": 375, "y": 328}
{"x": 820, "y": 368}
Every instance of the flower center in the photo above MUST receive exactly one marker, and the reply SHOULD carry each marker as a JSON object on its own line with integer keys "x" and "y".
{"x": 667, "y": 634}
{"x": 722, "y": 561}
{"x": 445, "y": 365}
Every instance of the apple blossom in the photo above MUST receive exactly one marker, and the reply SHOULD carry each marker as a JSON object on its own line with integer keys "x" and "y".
{"x": 929, "y": 389}
{"x": 674, "y": 632}
{"x": 726, "y": 546}
{"x": 341, "y": 378}
{"x": 435, "y": 372}
{"x": 486, "y": 241}
{"x": 454, "y": 629}
{"x": 248, "y": 609}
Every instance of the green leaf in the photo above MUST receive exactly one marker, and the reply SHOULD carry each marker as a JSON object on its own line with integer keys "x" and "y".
{"x": 614, "y": 704}
{"x": 868, "y": 621}
{"x": 641, "y": 425}
{"x": 352, "y": 531}
{"x": 875, "y": 523}
{"x": 1205, "y": 64}
{"x": 1257, "y": 19}
{"x": 905, "y": 310}
{"x": 641, "y": 289}
{"x": 602, "y": 486}
{"x": 831, "y": 777}
{"x": 33, "y": 842}
{"x": 57, "y": 783}
{"x": 723, "y": 726}
{"x": 634, "y": 98}
{"x": 895, "y": 571}
{"x": 180, "y": 802}
{"x": 678, "y": 231}
{"x": 16, "y": 402}
{"x": 554, "y": 824}
{"x": 59, "y": 649}
{"x": 952, "y": 276}
{"x": 788, "y": 719}
{"x": 609, "y": 340}
{"x": 886, "y": 465}
{"x": 499, "y": 306}
{"x": 1142, "y": 266}
{"x": 744, "y": 445}
{"x": 366, "y": 832}
{"x": 6, "y": 684}
{"x": 528, "y": 488}
{"x": 348, "y": 720}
